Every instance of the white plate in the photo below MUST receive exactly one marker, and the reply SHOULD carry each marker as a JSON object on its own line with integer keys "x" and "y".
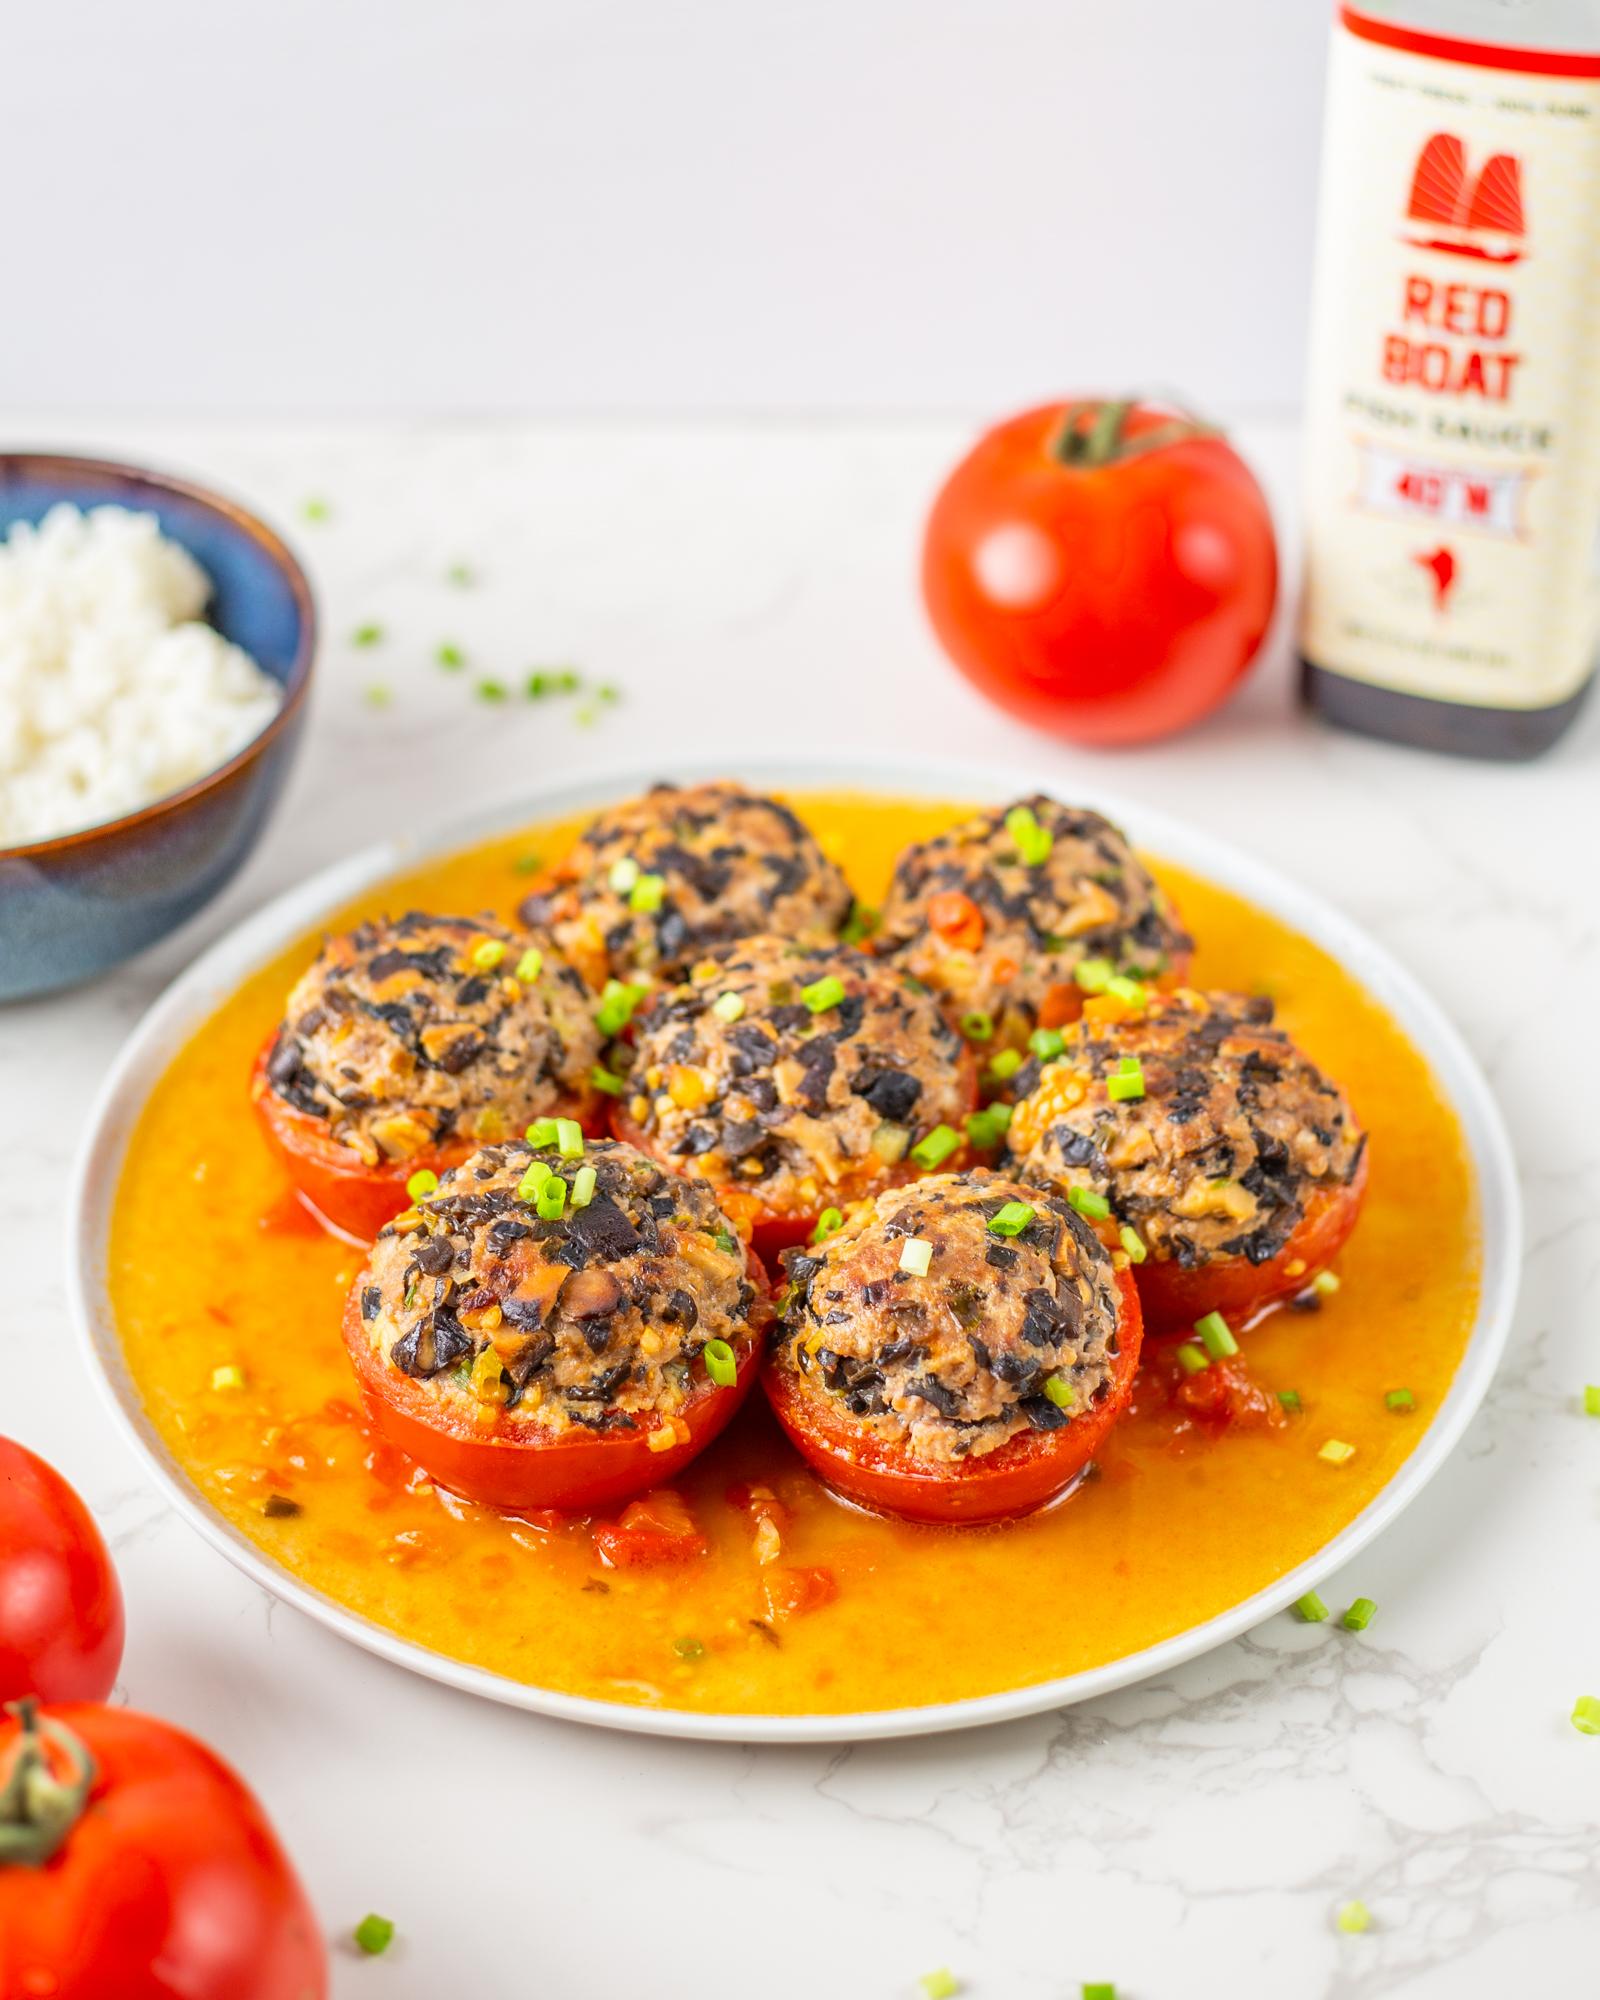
{"x": 194, "y": 996}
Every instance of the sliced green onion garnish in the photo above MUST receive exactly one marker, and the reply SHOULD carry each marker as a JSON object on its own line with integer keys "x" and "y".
{"x": 451, "y": 657}
{"x": 977, "y": 1026}
{"x": 422, "y": 1182}
{"x": 1004, "y": 1064}
{"x": 1060, "y": 1391}
{"x": 1325, "y": 1284}
{"x": 367, "y": 635}
{"x": 530, "y": 965}
{"x": 624, "y": 874}
{"x": 721, "y": 1363}
{"x": 377, "y": 695}
{"x": 1311, "y": 1608}
{"x": 1133, "y": 1243}
{"x": 1336, "y": 1452}
{"x": 823, "y": 993}
{"x": 1012, "y": 1219}
{"x": 939, "y": 1985}
{"x": 1047, "y": 1043}
{"x": 829, "y": 1223}
{"x": 315, "y": 509}
{"x": 569, "y": 1138}
{"x": 646, "y": 894}
{"x": 527, "y": 864}
{"x": 1399, "y": 1399}
{"x": 1191, "y": 1358}
{"x": 935, "y": 1147}
{"x": 551, "y": 1200}
{"x": 583, "y": 1187}
{"x": 462, "y": 575}
{"x": 1088, "y": 1203}
{"x": 534, "y": 1179}
{"x": 862, "y": 921}
{"x": 1099, "y": 1989}
{"x": 916, "y": 1254}
{"x": 1127, "y": 1083}
{"x": 1290, "y": 1399}
{"x": 1216, "y": 1335}
{"x": 1586, "y": 1714}
{"x": 1359, "y": 1616}
{"x": 726, "y": 1240}
{"x": 987, "y": 1128}
{"x": 230, "y": 1376}
{"x": 728, "y": 1006}
{"x": 541, "y": 1133}
{"x": 1591, "y": 1399}
{"x": 487, "y": 954}
{"x": 1033, "y": 841}
{"x": 1125, "y": 989}
{"x": 1094, "y": 975}
{"x": 374, "y": 1934}
{"x": 617, "y": 1004}
{"x": 607, "y": 1080}
{"x": 491, "y": 691}
{"x": 1353, "y": 1916}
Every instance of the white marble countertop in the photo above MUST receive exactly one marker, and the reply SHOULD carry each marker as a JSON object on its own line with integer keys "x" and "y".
{"x": 1191, "y": 1836}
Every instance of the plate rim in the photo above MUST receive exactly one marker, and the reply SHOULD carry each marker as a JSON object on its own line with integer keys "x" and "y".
{"x": 247, "y": 944}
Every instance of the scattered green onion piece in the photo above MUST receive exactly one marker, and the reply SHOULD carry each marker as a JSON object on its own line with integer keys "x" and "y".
{"x": 487, "y": 690}
{"x": 823, "y": 993}
{"x": 583, "y": 1182}
{"x": 1359, "y": 1616}
{"x": 935, "y": 1148}
{"x": 230, "y": 1376}
{"x": 367, "y": 635}
{"x": 1353, "y": 1917}
{"x": 1128, "y": 1082}
{"x": 721, "y": 1363}
{"x": 315, "y": 509}
{"x": 1310, "y": 1608}
{"x": 377, "y": 695}
{"x": 1099, "y": 1989}
{"x": 530, "y": 965}
{"x": 566, "y": 681}
{"x": 551, "y": 1200}
{"x": 689, "y": 1649}
{"x": 527, "y": 864}
{"x": 607, "y": 1080}
{"x": 728, "y": 1006}
{"x": 532, "y": 1181}
{"x": 829, "y": 1223}
{"x": 617, "y": 1004}
{"x": 1290, "y": 1399}
{"x": 1325, "y": 1284}
{"x": 977, "y": 1026}
{"x": 726, "y": 1240}
{"x": 569, "y": 1138}
{"x": 609, "y": 693}
{"x": 646, "y": 894}
{"x": 862, "y": 921}
{"x": 1399, "y": 1399}
{"x": 462, "y": 575}
{"x": 988, "y": 1128}
{"x": 916, "y": 1254}
{"x": 1191, "y": 1358}
{"x": 1060, "y": 1391}
{"x": 1591, "y": 1399}
{"x": 1336, "y": 1452}
{"x": 374, "y": 1935}
{"x": 1133, "y": 1243}
{"x": 1586, "y": 1714}
{"x": 1004, "y": 1064}
{"x": 1094, "y": 975}
{"x": 487, "y": 954}
{"x": 1088, "y": 1203}
{"x": 537, "y": 686}
{"x": 624, "y": 874}
{"x": 1012, "y": 1219}
{"x": 1047, "y": 1043}
{"x": 451, "y": 657}
{"x": 939, "y": 1985}
{"x": 541, "y": 1133}
{"x": 422, "y": 1182}
{"x": 1032, "y": 841}
{"x": 1123, "y": 988}
{"x": 1216, "y": 1336}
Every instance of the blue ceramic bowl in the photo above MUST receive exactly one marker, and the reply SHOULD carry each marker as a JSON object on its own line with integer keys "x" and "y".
{"x": 74, "y": 906}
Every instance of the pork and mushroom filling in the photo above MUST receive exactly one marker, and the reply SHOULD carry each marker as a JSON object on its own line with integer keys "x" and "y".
{"x": 590, "y": 1290}
{"x": 952, "y": 1314}
{"x": 794, "y": 1073}
{"x": 423, "y": 1030}
{"x": 1007, "y": 915}
{"x": 1196, "y": 1121}
{"x": 656, "y": 883}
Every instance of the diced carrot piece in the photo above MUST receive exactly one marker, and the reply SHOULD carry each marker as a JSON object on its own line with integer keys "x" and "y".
{"x": 792, "y": 1593}
{"x": 956, "y": 918}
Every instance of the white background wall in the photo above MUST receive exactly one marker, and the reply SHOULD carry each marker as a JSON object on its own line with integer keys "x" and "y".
{"x": 597, "y": 205}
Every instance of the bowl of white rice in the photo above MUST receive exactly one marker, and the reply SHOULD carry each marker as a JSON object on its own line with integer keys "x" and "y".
{"x": 155, "y": 651}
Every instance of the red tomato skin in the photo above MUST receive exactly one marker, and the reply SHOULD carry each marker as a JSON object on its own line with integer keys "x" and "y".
{"x": 576, "y": 1472}
{"x": 775, "y": 1229}
{"x": 1134, "y": 595}
{"x": 1027, "y": 1472}
{"x": 172, "y": 1885}
{"x": 61, "y": 1620}
{"x": 1173, "y": 1298}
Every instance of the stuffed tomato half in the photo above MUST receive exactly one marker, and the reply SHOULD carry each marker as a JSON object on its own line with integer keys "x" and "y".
{"x": 557, "y": 1327}
{"x": 957, "y": 1352}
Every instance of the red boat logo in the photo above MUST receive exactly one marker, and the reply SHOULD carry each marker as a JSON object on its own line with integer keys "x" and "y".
{"x": 1466, "y": 215}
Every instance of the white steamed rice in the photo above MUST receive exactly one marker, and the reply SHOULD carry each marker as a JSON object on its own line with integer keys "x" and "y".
{"x": 112, "y": 693}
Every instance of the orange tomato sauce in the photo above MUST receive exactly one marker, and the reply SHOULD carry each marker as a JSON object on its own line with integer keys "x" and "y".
{"x": 212, "y": 1267}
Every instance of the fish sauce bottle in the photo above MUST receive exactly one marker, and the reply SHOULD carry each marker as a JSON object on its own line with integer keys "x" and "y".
{"x": 1452, "y": 595}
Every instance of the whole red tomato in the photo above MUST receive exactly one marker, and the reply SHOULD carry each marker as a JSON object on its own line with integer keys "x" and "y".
{"x": 134, "y": 1865}
{"x": 60, "y": 1605}
{"x": 1104, "y": 570}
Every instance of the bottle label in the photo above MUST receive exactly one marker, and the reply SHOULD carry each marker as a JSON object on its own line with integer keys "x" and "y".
{"x": 1453, "y": 410}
